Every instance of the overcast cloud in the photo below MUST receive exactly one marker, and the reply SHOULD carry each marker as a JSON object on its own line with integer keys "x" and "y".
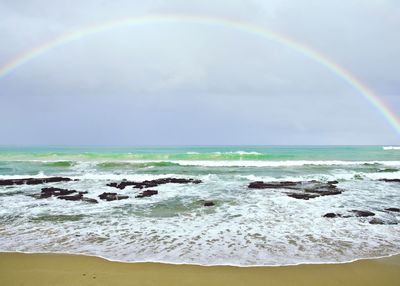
{"x": 181, "y": 83}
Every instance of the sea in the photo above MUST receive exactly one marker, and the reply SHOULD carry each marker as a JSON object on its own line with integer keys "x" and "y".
{"x": 242, "y": 226}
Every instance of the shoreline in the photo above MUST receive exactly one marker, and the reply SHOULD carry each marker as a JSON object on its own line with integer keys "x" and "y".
{"x": 70, "y": 269}
{"x": 200, "y": 264}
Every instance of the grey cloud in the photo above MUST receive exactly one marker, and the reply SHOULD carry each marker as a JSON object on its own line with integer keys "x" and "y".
{"x": 199, "y": 84}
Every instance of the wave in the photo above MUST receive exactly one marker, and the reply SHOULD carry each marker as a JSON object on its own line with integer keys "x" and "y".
{"x": 65, "y": 164}
{"x": 381, "y": 166}
{"x": 132, "y": 165}
{"x": 391, "y": 147}
{"x": 236, "y": 155}
{"x": 294, "y": 163}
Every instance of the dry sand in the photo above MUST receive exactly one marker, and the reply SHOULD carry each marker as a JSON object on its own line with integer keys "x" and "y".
{"x": 55, "y": 269}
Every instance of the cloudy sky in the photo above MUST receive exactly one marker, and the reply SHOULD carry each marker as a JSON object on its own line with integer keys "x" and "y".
{"x": 195, "y": 83}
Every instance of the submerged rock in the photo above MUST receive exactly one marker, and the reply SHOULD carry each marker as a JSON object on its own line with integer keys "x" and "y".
{"x": 376, "y": 221}
{"x": 390, "y": 180}
{"x": 324, "y": 193}
{"x": 33, "y": 181}
{"x": 209, "y": 204}
{"x": 153, "y": 183}
{"x": 147, "y": 193}
{"x": 396, "y": 210}
{"x": 302, "y": 196}
{"x": 332, "y": 215}
{"x": 360, "y": 213}
{"x": 381, "y": 221}
{"x": 90, "y": 200}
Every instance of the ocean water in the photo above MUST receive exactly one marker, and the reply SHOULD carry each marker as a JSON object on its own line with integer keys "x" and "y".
{"x": 244, "y": 227}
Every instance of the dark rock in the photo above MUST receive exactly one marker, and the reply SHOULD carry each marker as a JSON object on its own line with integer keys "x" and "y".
{"x": 40, "y": 196}
{"x": 331, "y": 215}
{"x": 209, "y": 204}
{"x": 376, "y": 221}
{"x": 76, "y": 197}
{"x": 33, "y": 181}
{"x": 305, "y": 190}
{"x": 153, "y": 183}
{"x": 52, "y": 192}
{"x": 114, "y": 185}
{"x": 104, "y": 195}
{"x": 359, "y": 213}
{"x": 397, "y": 210}
{"x": 57, "y": 191}
{"x": 147, "y": 193}
{"x": 390, "y": 180}
{"x": 90, "y": 200}
{"x": 324, "y": 193}
{"x": 112, "y": 196}
{"x": 302, "y": 196}
{"x": 272, "y": 185}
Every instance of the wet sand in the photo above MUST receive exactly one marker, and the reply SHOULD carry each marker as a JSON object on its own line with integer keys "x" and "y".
{"x": 55, "y": 269}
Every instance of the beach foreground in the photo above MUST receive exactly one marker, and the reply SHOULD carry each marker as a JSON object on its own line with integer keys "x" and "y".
{"x": 55, "y": 269}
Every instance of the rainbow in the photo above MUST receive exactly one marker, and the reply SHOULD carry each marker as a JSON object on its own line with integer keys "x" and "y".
{"x": 312, "y": 54}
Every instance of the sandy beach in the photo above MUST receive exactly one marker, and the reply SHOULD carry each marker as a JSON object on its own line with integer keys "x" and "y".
{"x": 55, "y": 269}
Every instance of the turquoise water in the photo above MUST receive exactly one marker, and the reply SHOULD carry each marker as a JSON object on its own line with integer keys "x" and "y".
{"x": 244, "y": 227}
{"x": 347, "y": 153}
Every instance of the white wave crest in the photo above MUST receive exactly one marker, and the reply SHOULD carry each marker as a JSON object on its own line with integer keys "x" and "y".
{"x": 236, "y": 163}
{"x": 391, "y": 147}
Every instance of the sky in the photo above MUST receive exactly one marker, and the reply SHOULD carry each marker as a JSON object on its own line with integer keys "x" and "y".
{"x": 199, "y": 84}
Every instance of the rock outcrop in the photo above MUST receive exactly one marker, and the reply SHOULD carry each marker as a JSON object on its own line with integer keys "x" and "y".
{"x": 63, "y": 194}
{"x": 147, "y": 193}
{"x": 33, "y": 181}
{"x": 152, "y": 183}
{"x": 112, "y": 196}
{"x": 301, "y": 190}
